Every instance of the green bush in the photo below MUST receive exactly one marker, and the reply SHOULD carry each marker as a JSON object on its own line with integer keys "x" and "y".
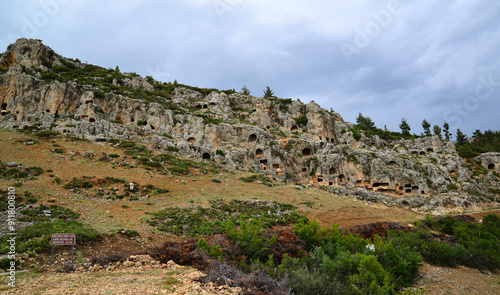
{"x": 213, "y": 251}
{"x": 46, "y": 134}
{"x": 128, "y": 232}
{"x": 432, "y": 251}
{"x": 250, "y": 237}
{"x": 181, "y": 169}
{"x": 355, "y": 134}
{"x": 257, "y": 177}
{"x": 196, "y": 221}
{"x": 345, "y": 274}
{"x": 301, "y": 121}
{"x": 399, "y": 260}
{"x": 76, "y": 183}
{"x": 5, "y": 263}
{"x": 18, "y": 173}
{"x": 36, "y": 213}
{"x": 309, "y": 232}
{"x": 36, "y": 238}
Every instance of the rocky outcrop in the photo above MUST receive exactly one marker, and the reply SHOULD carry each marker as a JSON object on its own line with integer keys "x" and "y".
{"x": 490, "y": 161}
{"x": 285, "y": 139}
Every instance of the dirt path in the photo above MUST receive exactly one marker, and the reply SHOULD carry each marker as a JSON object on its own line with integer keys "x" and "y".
{"x": 457, "y": 281}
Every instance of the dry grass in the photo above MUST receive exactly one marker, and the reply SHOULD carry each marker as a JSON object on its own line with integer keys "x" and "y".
{"x": 186, "y": 190}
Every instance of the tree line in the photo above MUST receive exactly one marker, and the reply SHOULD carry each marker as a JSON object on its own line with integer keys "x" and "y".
{"x": 479, "y": 142}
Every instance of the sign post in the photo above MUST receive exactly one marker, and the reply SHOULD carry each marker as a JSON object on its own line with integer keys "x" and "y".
{"x": 63, "y": 240}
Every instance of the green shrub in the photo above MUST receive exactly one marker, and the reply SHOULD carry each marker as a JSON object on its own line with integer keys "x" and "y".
{"x": 172, "y": 149}
{"x": 36, "y": 238}
{"x": 31, "y": 199}
{"x": 310, "y": 232}
{"x": 128, "y": 232}
{"x": 18, "y": 173}
{"x": 36, "y": 213}
{"x": 213, "y": 251}
{"x": 46, "y": 134}
{"x": 5, "y": 263}
{"x": 76, "y": 183}
{"x": 399, "y": 260}
{"x": 196, "y": 221}
{"x": 115, "y": 180}
{"x": 127, "y": 144}
{"x": 181, "y": 169}
{"x": 250, "y": 237}
{"x": 257, "y": 177}
{"x": 355, "y": 134}
{"x": 301, "y": 121}
{"x": 345, "y": 274}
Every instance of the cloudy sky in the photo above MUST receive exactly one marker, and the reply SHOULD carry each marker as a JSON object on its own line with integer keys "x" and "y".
{"x": 434, "y": 60}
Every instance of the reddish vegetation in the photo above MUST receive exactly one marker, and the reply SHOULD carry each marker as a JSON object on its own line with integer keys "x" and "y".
{"x": 375, "y": 229}
{"x": 287, "y": 243}
{"x": 183, "y": 253}
{"x": 461, "y": 218}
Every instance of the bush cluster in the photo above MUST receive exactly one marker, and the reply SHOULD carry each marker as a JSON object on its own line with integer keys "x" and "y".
{"x": 195, "y": 221}
{"x": 36, "y": 238}
{"x": 37, "y": 213}
{"x": 332, "y": 261}
{"x": 256, "y": 178}
{"x": 16, "y": 173}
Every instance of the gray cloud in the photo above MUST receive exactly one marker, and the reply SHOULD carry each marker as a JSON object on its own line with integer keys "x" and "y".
{"x": 415, "y": 60}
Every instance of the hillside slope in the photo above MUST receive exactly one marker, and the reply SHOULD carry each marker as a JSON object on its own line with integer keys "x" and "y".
{"x": 130, "y": 163}
{"x": 284, "y": 139}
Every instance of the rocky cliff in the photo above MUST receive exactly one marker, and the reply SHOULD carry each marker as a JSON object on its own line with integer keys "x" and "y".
{"x": 288, "y": 140}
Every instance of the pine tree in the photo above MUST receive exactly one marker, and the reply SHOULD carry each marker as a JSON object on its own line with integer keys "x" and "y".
{"x": 365, "y": 123}
{"x": 405, "y": 127}
{"x": 268, "y": 92}
{"x": 245, "y": 90}
{"x": 478, "y": 137}
{"x": 426, "y": 125}
{"x": 446, "y": 130}
{"x": 461, "y": 137}
{"x": 437, "y": 130}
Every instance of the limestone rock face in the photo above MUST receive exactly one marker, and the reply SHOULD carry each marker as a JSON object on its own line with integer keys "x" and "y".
{"x": 138, "y": 82}
{"x": 284, "y": 139}
{"x": 490, "y": 161}
{"x": 28, "y": 52}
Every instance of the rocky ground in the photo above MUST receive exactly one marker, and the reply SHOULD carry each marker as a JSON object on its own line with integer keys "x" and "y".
{"x": 457, "y": 281}
{"x": 143, "y": 275}
{"x": 139, "y": 275}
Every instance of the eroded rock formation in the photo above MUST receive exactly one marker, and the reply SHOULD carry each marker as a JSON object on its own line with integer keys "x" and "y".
{"x": 285, "y": 139}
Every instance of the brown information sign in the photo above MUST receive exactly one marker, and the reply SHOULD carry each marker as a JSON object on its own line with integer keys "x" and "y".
{"x": 63, "y": 239}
